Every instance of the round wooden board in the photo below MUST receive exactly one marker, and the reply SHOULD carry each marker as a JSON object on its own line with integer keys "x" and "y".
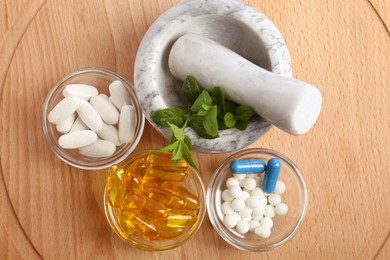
{"x": 51, "y": 210}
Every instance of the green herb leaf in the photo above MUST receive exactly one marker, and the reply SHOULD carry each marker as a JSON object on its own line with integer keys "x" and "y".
{"x": 168, "y": 148}
{"x": 197, "y": 125}
{"x": 203, "y": 98}
{"x": 229, "y": 107}
{"x": 229, "y": 120}
{"x": 178, "y": 152}
{"x": 217, "y": 96}
{"x": 221, "y": 124}
{"x": 241, "y": 125}
{"x": 191, "y": 89}
{"x": 206, "y": 107}
{"x": 202, "y": 112}
{"x": 188, "y": 142}
{"x": 177, "y": 132}
{"x": 172, "y": 115}
{"x": 210, "y": 122}
{"x": 188, "y": 157}
{"x": 244, "y": 112}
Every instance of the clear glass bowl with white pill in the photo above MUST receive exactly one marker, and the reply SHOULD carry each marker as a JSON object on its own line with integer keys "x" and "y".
{"x": 100, "y": 79}
{"x": 283, "y": 227}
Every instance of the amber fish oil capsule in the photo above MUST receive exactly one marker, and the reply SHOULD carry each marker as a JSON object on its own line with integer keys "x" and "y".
{"x": 144, "y": 205}
{"x": 165, "y": 161}
{"x": 192, "y": 201}
{"x": 180, "y": 218}
{"x": 115, "y": 186}
{"x": 141, "y": 223}
{"x": 162, "y": 174}
{"x": 166, "y": 197}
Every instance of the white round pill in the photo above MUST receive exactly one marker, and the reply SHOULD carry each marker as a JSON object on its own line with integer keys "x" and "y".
{"x": 100, "y": 148}
{"x": 263, "y": 201}
{"x": 239, "y": 176}
{"x": 269, "y": 211}
{"x": 80, "y": 90}
{"x": 230, "y": 221}
{"x": 227, "y": 196}
{"x": 253, "y": 202}
{"x": 242, "y": 227}
{"x": 253, "y": 224}
{"x": 230, "y": 182}
{"x": 258, "y": 218}
{"x": 263, "y": 231}
{"x": 246, "y": 212}
{"x": 280, "y": 187}
{"x": 259, "y": 211}
{"x": 281, "y": 209}
{"x": 249, "y": 184}
{"x": 226, "y": 208}
{"x": 266, "y": 221}
{"x": 257, "y": 192}
{"x": 238, "y": 204}
{"x": 237, "y": 216}
{"x": 251, "y": 175}
{"x": 235, "y": 191}
{"x": 259, "y": 181}
{"x": 245, "y": 195}
{"x": 274, "y": 199}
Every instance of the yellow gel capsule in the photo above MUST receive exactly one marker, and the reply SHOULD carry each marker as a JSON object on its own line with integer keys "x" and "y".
{"x": 166, "y": 197}
{"x": 141, "y": 223}
{"x": 191, "y": 199}
{"x": 133, "y": 181}
{"x": 164, "y": 174}
{"x": 144, "y": 205}
{"x": 168, "y": 232}
{"x": 164, "y": 160}
{"x": 139, "y": 166}
{"x": 115, "y": 186}
{"x": 180, "y": 218}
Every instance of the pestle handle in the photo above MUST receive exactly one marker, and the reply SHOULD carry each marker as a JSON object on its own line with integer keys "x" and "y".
{"x": 289, "y": 104}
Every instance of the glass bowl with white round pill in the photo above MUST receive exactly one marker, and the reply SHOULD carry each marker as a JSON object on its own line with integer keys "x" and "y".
{"x": 92, "y": 119}
{"x": 242, "y": 211}
{"x": 152, "y": 203}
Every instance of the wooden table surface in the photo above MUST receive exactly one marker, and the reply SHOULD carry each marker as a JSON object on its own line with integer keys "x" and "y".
{"x": 51, "y": 210}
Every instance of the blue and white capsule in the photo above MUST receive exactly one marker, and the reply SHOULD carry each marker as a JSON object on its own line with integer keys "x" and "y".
{"x": 271, "y": 175}
{"x": 247, "y": 166}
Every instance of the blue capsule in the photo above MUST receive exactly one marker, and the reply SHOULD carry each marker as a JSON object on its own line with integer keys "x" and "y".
{"x": 271, "y": 175}
{"x": 247, "y": 166}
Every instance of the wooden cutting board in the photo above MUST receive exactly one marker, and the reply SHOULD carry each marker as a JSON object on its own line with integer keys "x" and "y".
{"x": 51, "y": 210}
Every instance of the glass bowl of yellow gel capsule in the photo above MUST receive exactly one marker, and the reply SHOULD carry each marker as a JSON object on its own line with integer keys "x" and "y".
{"x": 152, "y": 203}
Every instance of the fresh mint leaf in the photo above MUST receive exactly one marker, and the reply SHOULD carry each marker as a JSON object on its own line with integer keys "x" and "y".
{"x": 210, "y": 122}
{"x": 177, "y": 132}
{"x": 191, "y": 89}
{"x": 187, "y": 141}
{"x": 168, "y": 148}
{"x": 206, "y": 107}
{"x": 197, "y": 125}
{"x": 244, "y": 112}
{"x": 218, "y": 96}
{"x": 172, "y": 115}
{"x": 203, "y": 98}
{"x": 202, "y": 112}
{"x": 241, "y": 125}
{"x": 229, "y": 107}
{"x": 229, "y": 120}
{"x": 221, "y": 124}
{"x": 177, "y": 152}
{"x": 187, "y": 156}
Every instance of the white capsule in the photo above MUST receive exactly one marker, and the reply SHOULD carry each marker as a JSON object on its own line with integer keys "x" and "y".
{"x": 105, "y": 109}
{"x": 230, "y": 221}
{"x": 227, "y": 196}
{"x": 127, "y": 122}
{"x": 78, "y": 125}
{"x": 266, "y": 221}
{"x": 259, "y": 211}
{"x": 100, "y": 148}
{"x": 89, "y": 116}
{"x": 64, "y": 109}
{"x": 226, "y": 208}
{"x": 281, "y": 209}
{"x": 246, "y": 212}
{"x": 119, "y": 96}
{"x": 269, "y": 211}
{"x": 253, "y": 202}
{"x": 239, "y": 176}
{"x": 245, "y": 195}
{"x": 238, "y": 204}
{"x": 249, "y": 184}
{"x": 242, "y": 227}
{"x": 253, "y": 224}
{"x": 77, "y": 139}
{"x": 65, "y": 126}
{"x": 235, "y": 191}
{"x": 263, "y": 231}
{"x": 274, "y": 199}
{"x": 80, "y": 90}
{"x": 230, "y": 182}
{"x": 280, "y": 187}
{"x": 257, "y": 192}
{"x": 109, "y": 133}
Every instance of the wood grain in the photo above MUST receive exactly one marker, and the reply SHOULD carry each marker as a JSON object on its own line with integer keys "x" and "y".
{"x": 50, "y": 210}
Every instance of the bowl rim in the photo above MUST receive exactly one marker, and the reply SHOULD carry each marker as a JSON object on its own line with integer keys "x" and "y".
{"x": 139, "y": 130}
{"x": 213, "y": 215}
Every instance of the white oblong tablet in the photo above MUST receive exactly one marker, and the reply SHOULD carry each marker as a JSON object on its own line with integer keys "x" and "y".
{"x": 64, "y": 109}
{"x": 100, "y": 148}
{"x": 109, "y": 133}
{"x": 78, "y": 125}
{"x": 89, "y": 115}
{"x": 65, "y": 126}
{"x": 119, "y": 96}
{"x": 127, "y": 122}
{"x": 103, "y": 96}
{"x": 77, "y": 139}
{"x": 83, "y": 91}
{"x": 106, "y": 109}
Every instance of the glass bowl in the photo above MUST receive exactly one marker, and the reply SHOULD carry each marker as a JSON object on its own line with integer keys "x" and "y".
{"x": 193, "y": 183}
{"x": 99, "y": 78}
{"x": 284, "y": 227}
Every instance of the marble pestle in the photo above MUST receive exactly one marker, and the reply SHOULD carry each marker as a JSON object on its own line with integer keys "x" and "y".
{"x": 289, "y": 104}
